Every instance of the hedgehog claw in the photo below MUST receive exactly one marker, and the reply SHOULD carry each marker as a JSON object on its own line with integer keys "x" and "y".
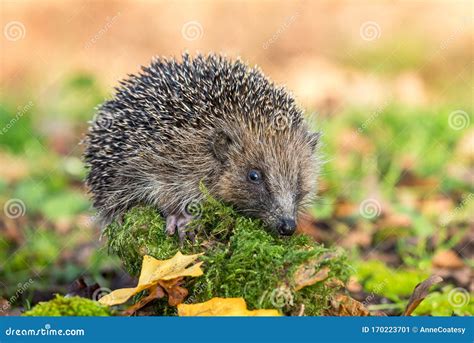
{"x": 179, "y": 222}
{"x": 171, "y": 224}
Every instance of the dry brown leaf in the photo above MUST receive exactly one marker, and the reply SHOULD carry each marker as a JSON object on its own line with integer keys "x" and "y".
{"x": 396, "y": 220}
{"x": 353, "y": 285}
{"x": 410, "y": 179}
{"x": 223, "y": 307}
{"x": 436, "y": 205}
{"x": 344, "y": 208}
{"x": 155, "y": 292}
{"x": 357, "y": 238}
{"x": 335, "y": 283}
{"x": 176, "y": 293}
{"x": 310, "y": 272}
{"x": 4, "y": 306}
{"x": 307, "y": 275}
{"x": 447, "y": 259}
{"x": 154, "y": 270}
{"x": 420, "y": 292}
{"x": 344, "y": 305}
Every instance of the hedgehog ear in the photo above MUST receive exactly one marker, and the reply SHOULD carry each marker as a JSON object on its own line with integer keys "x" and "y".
{"x": 314, "y": 138}
{"x": 220, "y": 146}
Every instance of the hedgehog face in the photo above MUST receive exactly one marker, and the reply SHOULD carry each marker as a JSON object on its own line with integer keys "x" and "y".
{"x": 270, "y": 177}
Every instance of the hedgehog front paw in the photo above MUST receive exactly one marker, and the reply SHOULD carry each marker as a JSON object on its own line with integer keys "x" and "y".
{"x": 180, "y": 222}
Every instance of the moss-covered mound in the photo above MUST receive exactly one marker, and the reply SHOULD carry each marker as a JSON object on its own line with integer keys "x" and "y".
{"x": 241, "y": 259}
{"x": 70, "y": 306}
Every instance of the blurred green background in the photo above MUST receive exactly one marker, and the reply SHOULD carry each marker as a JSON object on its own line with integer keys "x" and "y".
{"x": 390, "y": 84}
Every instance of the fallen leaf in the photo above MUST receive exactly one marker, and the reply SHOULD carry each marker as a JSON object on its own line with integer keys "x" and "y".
{"x": 335, "y": 283}
{"x": 344, "y": 305}
{"x": 353, "y": 285}
{"x": 420, "y": 292}
{"x": 396, "y": 220}
{"x": 310, "y": 272}
{"x": 152, "y": 272}
{"x": 223, "y": 307}
{"x": 176, "y": 293}
{"x": 307, "y": 276}
{"x": 155, "y": 292}
{"x": 357, "y": 238}
{"x": 5, "y": 306}
{"x": 344, "y": 208}
{"x": 447, "y": 259}
{"x": 436, "y": 205}
{"x": 410, "y": 179}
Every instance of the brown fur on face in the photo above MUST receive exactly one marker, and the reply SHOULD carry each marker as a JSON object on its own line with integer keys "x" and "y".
{"x": 287, "y": 163}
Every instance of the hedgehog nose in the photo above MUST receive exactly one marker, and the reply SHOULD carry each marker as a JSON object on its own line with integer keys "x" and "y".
{"x": 287, "y": 226}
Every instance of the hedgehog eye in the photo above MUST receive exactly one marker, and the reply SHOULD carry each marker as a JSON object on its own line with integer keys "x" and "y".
{"x": 254, "y": 176}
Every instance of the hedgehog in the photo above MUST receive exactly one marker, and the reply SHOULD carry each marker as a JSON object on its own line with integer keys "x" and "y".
{"x": 207, "y": 122}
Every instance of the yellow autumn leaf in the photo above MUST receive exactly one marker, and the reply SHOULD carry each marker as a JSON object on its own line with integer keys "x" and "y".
{"x": 223, "y": 307}
{"x": 154, "y": 270}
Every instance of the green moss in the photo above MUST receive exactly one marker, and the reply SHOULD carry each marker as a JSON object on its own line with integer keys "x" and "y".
{"x": 447, "y": 302}
{"x": 241, "y": 259}
{"x": 393, "y": 284}
{"x": 71, "y": 306}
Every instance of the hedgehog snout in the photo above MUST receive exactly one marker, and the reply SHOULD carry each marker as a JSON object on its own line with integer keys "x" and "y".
{"x": 282, "y": 222}
{"x": 286, "y": 226}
